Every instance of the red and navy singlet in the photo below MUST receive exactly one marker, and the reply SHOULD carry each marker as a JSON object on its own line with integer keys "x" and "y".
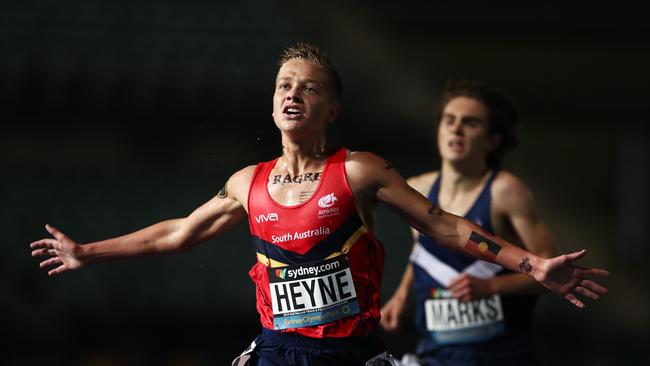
{"x": 318, "y": 269}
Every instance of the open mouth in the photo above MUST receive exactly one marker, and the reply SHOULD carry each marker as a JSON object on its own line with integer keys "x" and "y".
{"x": 456, "y": 144}
{"x": 292, "y": 110}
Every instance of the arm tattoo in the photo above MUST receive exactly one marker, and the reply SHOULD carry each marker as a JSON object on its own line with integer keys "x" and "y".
{"x": 482, "y": 247}
{"x": 223, "y": 193}
{"x": 388, "y": 165}
{"x": 434, "y": 209}
{"x": 525, "y": 265}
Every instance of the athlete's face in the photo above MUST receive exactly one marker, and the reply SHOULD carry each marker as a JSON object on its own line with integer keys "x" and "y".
{"x": 302, "y": 99}
{"x": 463, "y": 131}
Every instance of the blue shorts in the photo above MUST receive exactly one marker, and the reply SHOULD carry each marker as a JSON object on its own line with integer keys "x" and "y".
{"x": 273, "y": 348}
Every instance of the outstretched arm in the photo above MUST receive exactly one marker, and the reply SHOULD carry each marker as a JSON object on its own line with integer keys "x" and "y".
{"x": 559, "y": 274}
{"x": 211, "y": 219}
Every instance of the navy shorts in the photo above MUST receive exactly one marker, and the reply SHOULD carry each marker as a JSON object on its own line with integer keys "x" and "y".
{"x": 273, "y": 348}
{"x": 505, "y": 354}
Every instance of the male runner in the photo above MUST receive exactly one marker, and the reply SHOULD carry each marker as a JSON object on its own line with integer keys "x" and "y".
{"x": 310, "y": 211}
{"x": 469, "y": 311}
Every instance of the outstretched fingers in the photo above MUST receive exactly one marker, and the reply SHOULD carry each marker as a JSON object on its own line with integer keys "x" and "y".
{"x": 50, "y": 262}
{"x": 571, "y": 257}
{"x": 584, "y": 271}
{"x": 54, "y": 232}
{"x": 595, "y": 272}
{"x": 60, "y": 250}
{"x": 43, "y": 243}
{"x": 44, "y": 247}
{"x": 593, "y": 286}
{"x": 57, "y": 270}
{"x": 574, "y": 300}
{"x": 587, "y": 288}
{"x": 588, "y": 293}
{"x": 44, "y": 251}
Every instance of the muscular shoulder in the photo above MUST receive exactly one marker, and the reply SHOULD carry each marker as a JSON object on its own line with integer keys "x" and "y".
{"x": 239, "y": 183}
{"x": 368, "y": 172}
{"x": 423, "y": 182}
{"x": 243, "y": 176}
{"x": 364, "y": 163}
{"x": 509, "y": 192}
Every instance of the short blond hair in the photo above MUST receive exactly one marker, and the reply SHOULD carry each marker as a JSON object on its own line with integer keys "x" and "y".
{"x": 310, "y": 53}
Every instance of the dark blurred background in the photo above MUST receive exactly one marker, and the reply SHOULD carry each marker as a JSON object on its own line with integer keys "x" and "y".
{"x": 120, "y": 114}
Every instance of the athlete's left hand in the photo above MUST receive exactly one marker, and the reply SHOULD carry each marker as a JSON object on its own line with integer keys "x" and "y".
{"x": 466, "y": 287}
{"x": 561, "y": 276}
{"x": 391, "y": 313}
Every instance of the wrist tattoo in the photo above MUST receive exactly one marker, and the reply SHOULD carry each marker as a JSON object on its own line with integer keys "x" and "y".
{"x": 482, "y": 247}
{"x": 307, "y": 177}
{"x": 223, "y": 193}
{"x": 525, "y": 265}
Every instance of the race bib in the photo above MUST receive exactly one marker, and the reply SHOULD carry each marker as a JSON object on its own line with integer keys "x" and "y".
{"x": 313, "y": 293}
{"x": 451, "y": 321}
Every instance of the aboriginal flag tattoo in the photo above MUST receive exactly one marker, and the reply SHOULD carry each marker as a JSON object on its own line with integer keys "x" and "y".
{"x": 483, "y": 247}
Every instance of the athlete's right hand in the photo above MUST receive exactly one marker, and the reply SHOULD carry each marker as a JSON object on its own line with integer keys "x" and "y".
{"x": 391, "y": 314}
{"x": 62, "y": 251}
{"x": 560, "y": 275}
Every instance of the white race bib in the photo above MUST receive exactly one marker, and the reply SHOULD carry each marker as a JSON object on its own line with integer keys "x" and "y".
{"x": 451, "y": 321}
{"x": 312, "y": 293}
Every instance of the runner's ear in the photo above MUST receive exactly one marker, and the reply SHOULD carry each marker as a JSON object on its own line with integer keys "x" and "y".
{"x": 336, "y": 111}
{"x": 495, "y": 141}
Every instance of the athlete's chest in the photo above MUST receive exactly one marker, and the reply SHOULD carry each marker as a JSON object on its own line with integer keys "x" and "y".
{"x": 292, "y": 189}
{"x": 458, "y": 203}
{"x": 474, "y": 205}
{"x": 297, "y": 212}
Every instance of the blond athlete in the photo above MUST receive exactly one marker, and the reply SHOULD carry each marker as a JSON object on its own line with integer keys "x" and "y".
{"x": 318, "y": 266}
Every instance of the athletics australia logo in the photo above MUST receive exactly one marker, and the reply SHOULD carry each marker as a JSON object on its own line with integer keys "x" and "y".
{"x": 326, "y": 202}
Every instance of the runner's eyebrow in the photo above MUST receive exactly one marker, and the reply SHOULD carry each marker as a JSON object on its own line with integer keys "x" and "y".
{"x": 472, "y": 119}
{"x": 313, "y": 81}
{"x": 288, "y": 78}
